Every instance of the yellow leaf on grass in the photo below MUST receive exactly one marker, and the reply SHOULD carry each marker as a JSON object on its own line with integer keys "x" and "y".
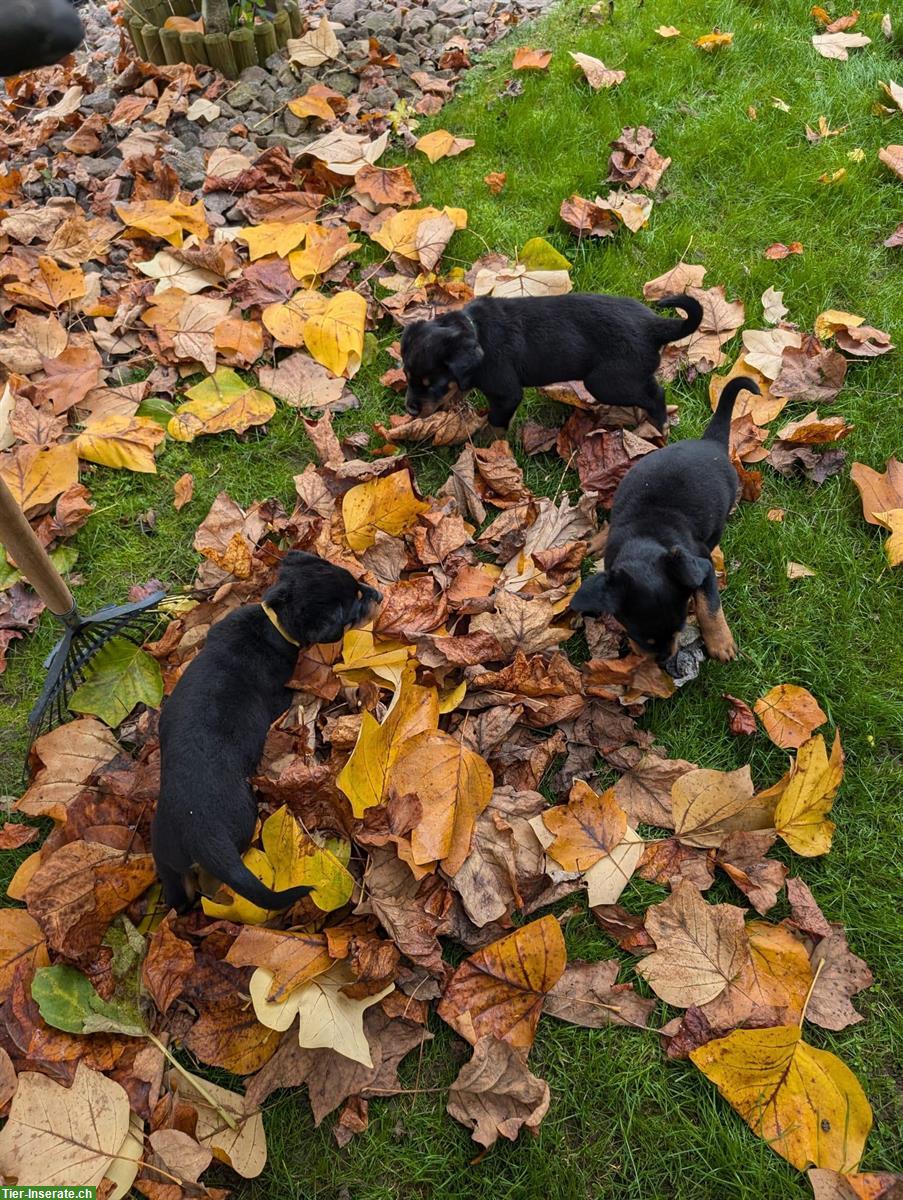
{"x": 528, "y": 59}
{"x": 442, "y": 144}
{"x": 805, "y": 1103}
{"x": 329, "y": 1019}
{"x": 298, "y": 861}
{"x": 239, "y": 909}
{"x": 116, "y": 440}
{"x": 713, "y": 41}
{"x": 273, "y": 237}
{"x": 36, "y": 475}
{"x": 790, "y": 714}
{"x": 454, "y": 785}
{"x": 387, "y": 503}
{"x": 800, "y": 813}
{"x": 221, "y": 401}
{"x": 893, "y": 547}
{"x": 398, "y": 235}
{"x": 335, "y": 337}
{"x": 365, "y": 777}
{"x": 167, "y": 219}
{"x": 286, "y": 321}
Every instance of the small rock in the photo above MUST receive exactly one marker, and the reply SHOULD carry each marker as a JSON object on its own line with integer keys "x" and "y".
{"x": 439, "y": 35}
{"x": 253, "y": 75}
{"x": 219, "y": 202}
{"x": 343, "y": 82}
{"x": 275, "y": 61}
{"x": 190, "y": 166}
{"x": 345, "y": 12}
{"x": 244, "y": 95}
{"x": 97, "y": 168}
{"x": 294, "y": 145}
{"x": 382, "y": 98}
{"x": 416, "y": 21}
{"x": 293, "y": 125}
{"x": 99, "y": 101}
{"x": 377, "y": 23}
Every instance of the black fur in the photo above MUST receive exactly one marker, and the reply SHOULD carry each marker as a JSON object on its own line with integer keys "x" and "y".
{"x": 612, "y": 343}
{"x": 37, "y": 33}
{"x": 215, "y": 723}
{"x": 668, "y": 515}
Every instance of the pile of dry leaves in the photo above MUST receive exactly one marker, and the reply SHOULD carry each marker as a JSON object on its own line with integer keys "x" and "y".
{"x": 403, "y": 784}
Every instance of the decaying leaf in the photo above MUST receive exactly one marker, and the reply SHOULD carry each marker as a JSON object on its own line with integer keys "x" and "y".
{"x": 495, "y": 1095}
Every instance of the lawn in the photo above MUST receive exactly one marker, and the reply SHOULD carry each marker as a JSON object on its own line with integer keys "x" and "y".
{"x": 624, "y": 1122}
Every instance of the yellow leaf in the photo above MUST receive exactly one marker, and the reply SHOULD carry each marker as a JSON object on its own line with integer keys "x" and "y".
{"x": 800, "y": 813}
{"x": 667, "y": 31}
{"x": 442, "y": 144}
{"x": 240, "y": 909}
{"x": 36, "y": 475}
{"x": 167, "y": 219}
{"x": 805, "y": 1103}
{"x": 298, "y": 861}
{"x": 454, "y": 785}
{"x": 312, "y": 105}
{"x": 51, "y": 286}
{"x": 273, "y": 237}
{"x": 893, "y": 547}
{"x": 586, "y": 829}
{"x": 291, "y": 958}
{"x": 837, "y": 176}
{"x": 365, "y": 657}
{"x": 286, "y": 321}
{"x": 828, "y": 322}
{"x": 387, "y": 503}
{"x": 235, "y": 559}
{"x": 116, "y": 440}
{"x": 324, "y": 248}
{"x": 365, "y": 777}
{"x": 335, "y": 337}
{"x": 398, "y": 235}
{"x": 452, "y": 697}
{"x": 221, "y": 401}
{"x": 713, "y": 41}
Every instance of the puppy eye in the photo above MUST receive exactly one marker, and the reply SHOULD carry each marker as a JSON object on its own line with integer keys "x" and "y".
{"x": 425, "y": 381}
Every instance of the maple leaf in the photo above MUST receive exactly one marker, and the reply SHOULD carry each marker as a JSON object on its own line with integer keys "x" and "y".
{"x": 840, "y": 975}
{"x": 789, "y": 714}
{"x": 494, "y": 1093}
{"x": 499, "y": 991}
{"x": 220, "y": 402}
{"x": 319, "y": 101}
{"x": 388, "y": 504}
{"x": 700, "y": 948}
{"x": 528, "y": 59}
{"x": 805, "y": 1103}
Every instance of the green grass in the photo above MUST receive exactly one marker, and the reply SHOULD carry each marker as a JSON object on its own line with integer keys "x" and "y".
{"x": 625, "y": 1123}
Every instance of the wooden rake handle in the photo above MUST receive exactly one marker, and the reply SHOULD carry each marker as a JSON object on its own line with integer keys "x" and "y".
{"x": 19, "y": 539}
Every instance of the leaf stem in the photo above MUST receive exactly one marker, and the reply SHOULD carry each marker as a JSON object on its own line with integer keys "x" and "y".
{"x": 810, "y": 991}
{"x": 196, "y": 1083}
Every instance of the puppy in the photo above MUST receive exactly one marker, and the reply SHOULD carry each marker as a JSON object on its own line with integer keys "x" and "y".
{"x": 668, "y": 515}
{"x": 612, "y": 343}
{"x": 215, "y": 723}
{"x": 37, "y": 33}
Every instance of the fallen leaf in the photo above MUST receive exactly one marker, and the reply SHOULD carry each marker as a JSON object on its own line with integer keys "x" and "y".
{"x": 879, "y": 492}
{"x": 499, "y": 991}
{"x": 773, "y": 306}
{"x": 388, "y": 504}
{"x": 838, "y": 45}
{"x": 713, "y": 41}
{"x": 700, "y": 948}
{"x": 222, "y": 401}
{"x": 244, "y": 1147}
{"x": 291, "y": 959}
{"x": 597, "y": 75}
{"x": 495, "y": 181}
{"x": 797, "y": 570}
{"x": 872, "y": 1185}
{"x": 800, "y": 813}
{"x": 708, "y": 805}
{"x": 167, "y": 219}
{"x": 893, "y": 547}
{"x": 587, "y": 995}
{"x": 183, "y": 491}
{"x": 67, "y": 756}
{"x": 527, "y": 59}
{"x": 335, "y": 336}
{"x": 586, "y": 829}
{"x": 317, "y": 46}
{"x": 122, "y": 442}
{"x": 841, "y": 974}
{"x": 273, "y": 237}
{"x": 21, "y": 941}
{"x": 36, "y": 475}
{"x": 442, "y": 144}
{"x": 741, "y": 719}
{"x": 494, "y": 1093}
{"x": 119, "y": 676}
{"x": 789, "y": 714}
{"x": 807, "y": 1105}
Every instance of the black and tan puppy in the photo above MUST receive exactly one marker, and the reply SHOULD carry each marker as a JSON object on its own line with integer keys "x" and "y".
{"x": 612, "y": 343}
{"x": 668, "y": 515}
{"x": 215, "y": 723}
{"x": 36, "y": 33}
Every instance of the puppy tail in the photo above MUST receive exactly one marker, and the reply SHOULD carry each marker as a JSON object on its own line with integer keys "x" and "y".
{"x": 672, "y": 329}
{"x": 719, "y": 428}
{"x": 245, "y": 883}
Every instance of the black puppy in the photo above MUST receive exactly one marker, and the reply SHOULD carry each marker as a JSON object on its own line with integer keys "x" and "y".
{"x": 37, "y": 33}
{"x": 215, "y": 723}
{"x": 612, "y": 343}
{"x": 668, "y": 515}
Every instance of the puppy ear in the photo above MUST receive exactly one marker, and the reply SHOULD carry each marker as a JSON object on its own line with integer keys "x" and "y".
{"x": 689, "y": 570}
{"x": 594, "y": 596}
{"x": 466, "y": 353}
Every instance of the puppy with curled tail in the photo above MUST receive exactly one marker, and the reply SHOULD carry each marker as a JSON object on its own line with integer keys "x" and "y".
{"x": 612, "y": 343}
{"x": 37, "y": 33}
{"x": 668, "y": 515}
{"x": 214, "y": 725}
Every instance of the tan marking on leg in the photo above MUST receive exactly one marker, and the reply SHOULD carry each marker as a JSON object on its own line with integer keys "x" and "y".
{"x": 718, "y": 639}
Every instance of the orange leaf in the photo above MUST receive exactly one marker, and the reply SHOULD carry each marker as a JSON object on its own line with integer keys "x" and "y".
{"x": 51, "y": 287}
{"x": 587, "y": 828}
{"x": 880, "y": 492}
{"x": 500, "y": 989}
{"x": 527, "y": 59}
{"x": 789, "y": 714}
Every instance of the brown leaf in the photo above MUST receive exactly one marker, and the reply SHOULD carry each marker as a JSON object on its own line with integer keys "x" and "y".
{"x": 811, "y": 373}
{"x": 700, "y": 948}
{"x": 805, "y": 914}
{"x": 410, "y": 607}
{"x": 635, "y": 161}
{"x": 740, "y": 719}
{"x": 495, "y": 181}
{"x": 670, "y": 863}
{"x": 645, "y": 792}
{"x": 494, "y": 1094}
{"x": 630, "y": 680}
{"x": 880, "y": 492}
{"x": 742, "y": 857}
{"x": 528, "y": 59}
{"x": 872, "y": 1185}
{"x": 22, "y": 946}
{"x": 183, "y": 490}
{"x": 15, "y": 834}
{"x": 892, "y": 156}
{"x": 585, "y": 829}
{"x": 841, "y": 976}
{"x": 169, "y": 963}
{"x": 522, "y": 623}
{"x": 778, "y": 250}
{"x": 587, "y": 995}
{"x": 790, "y": 715}
{"x": 500, "y": 990}
{"x": 226, "y": 1032}
{"x": 624, "y": 927}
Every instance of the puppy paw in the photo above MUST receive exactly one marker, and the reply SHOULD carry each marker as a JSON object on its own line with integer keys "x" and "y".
{"x": 721, "y": 645}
